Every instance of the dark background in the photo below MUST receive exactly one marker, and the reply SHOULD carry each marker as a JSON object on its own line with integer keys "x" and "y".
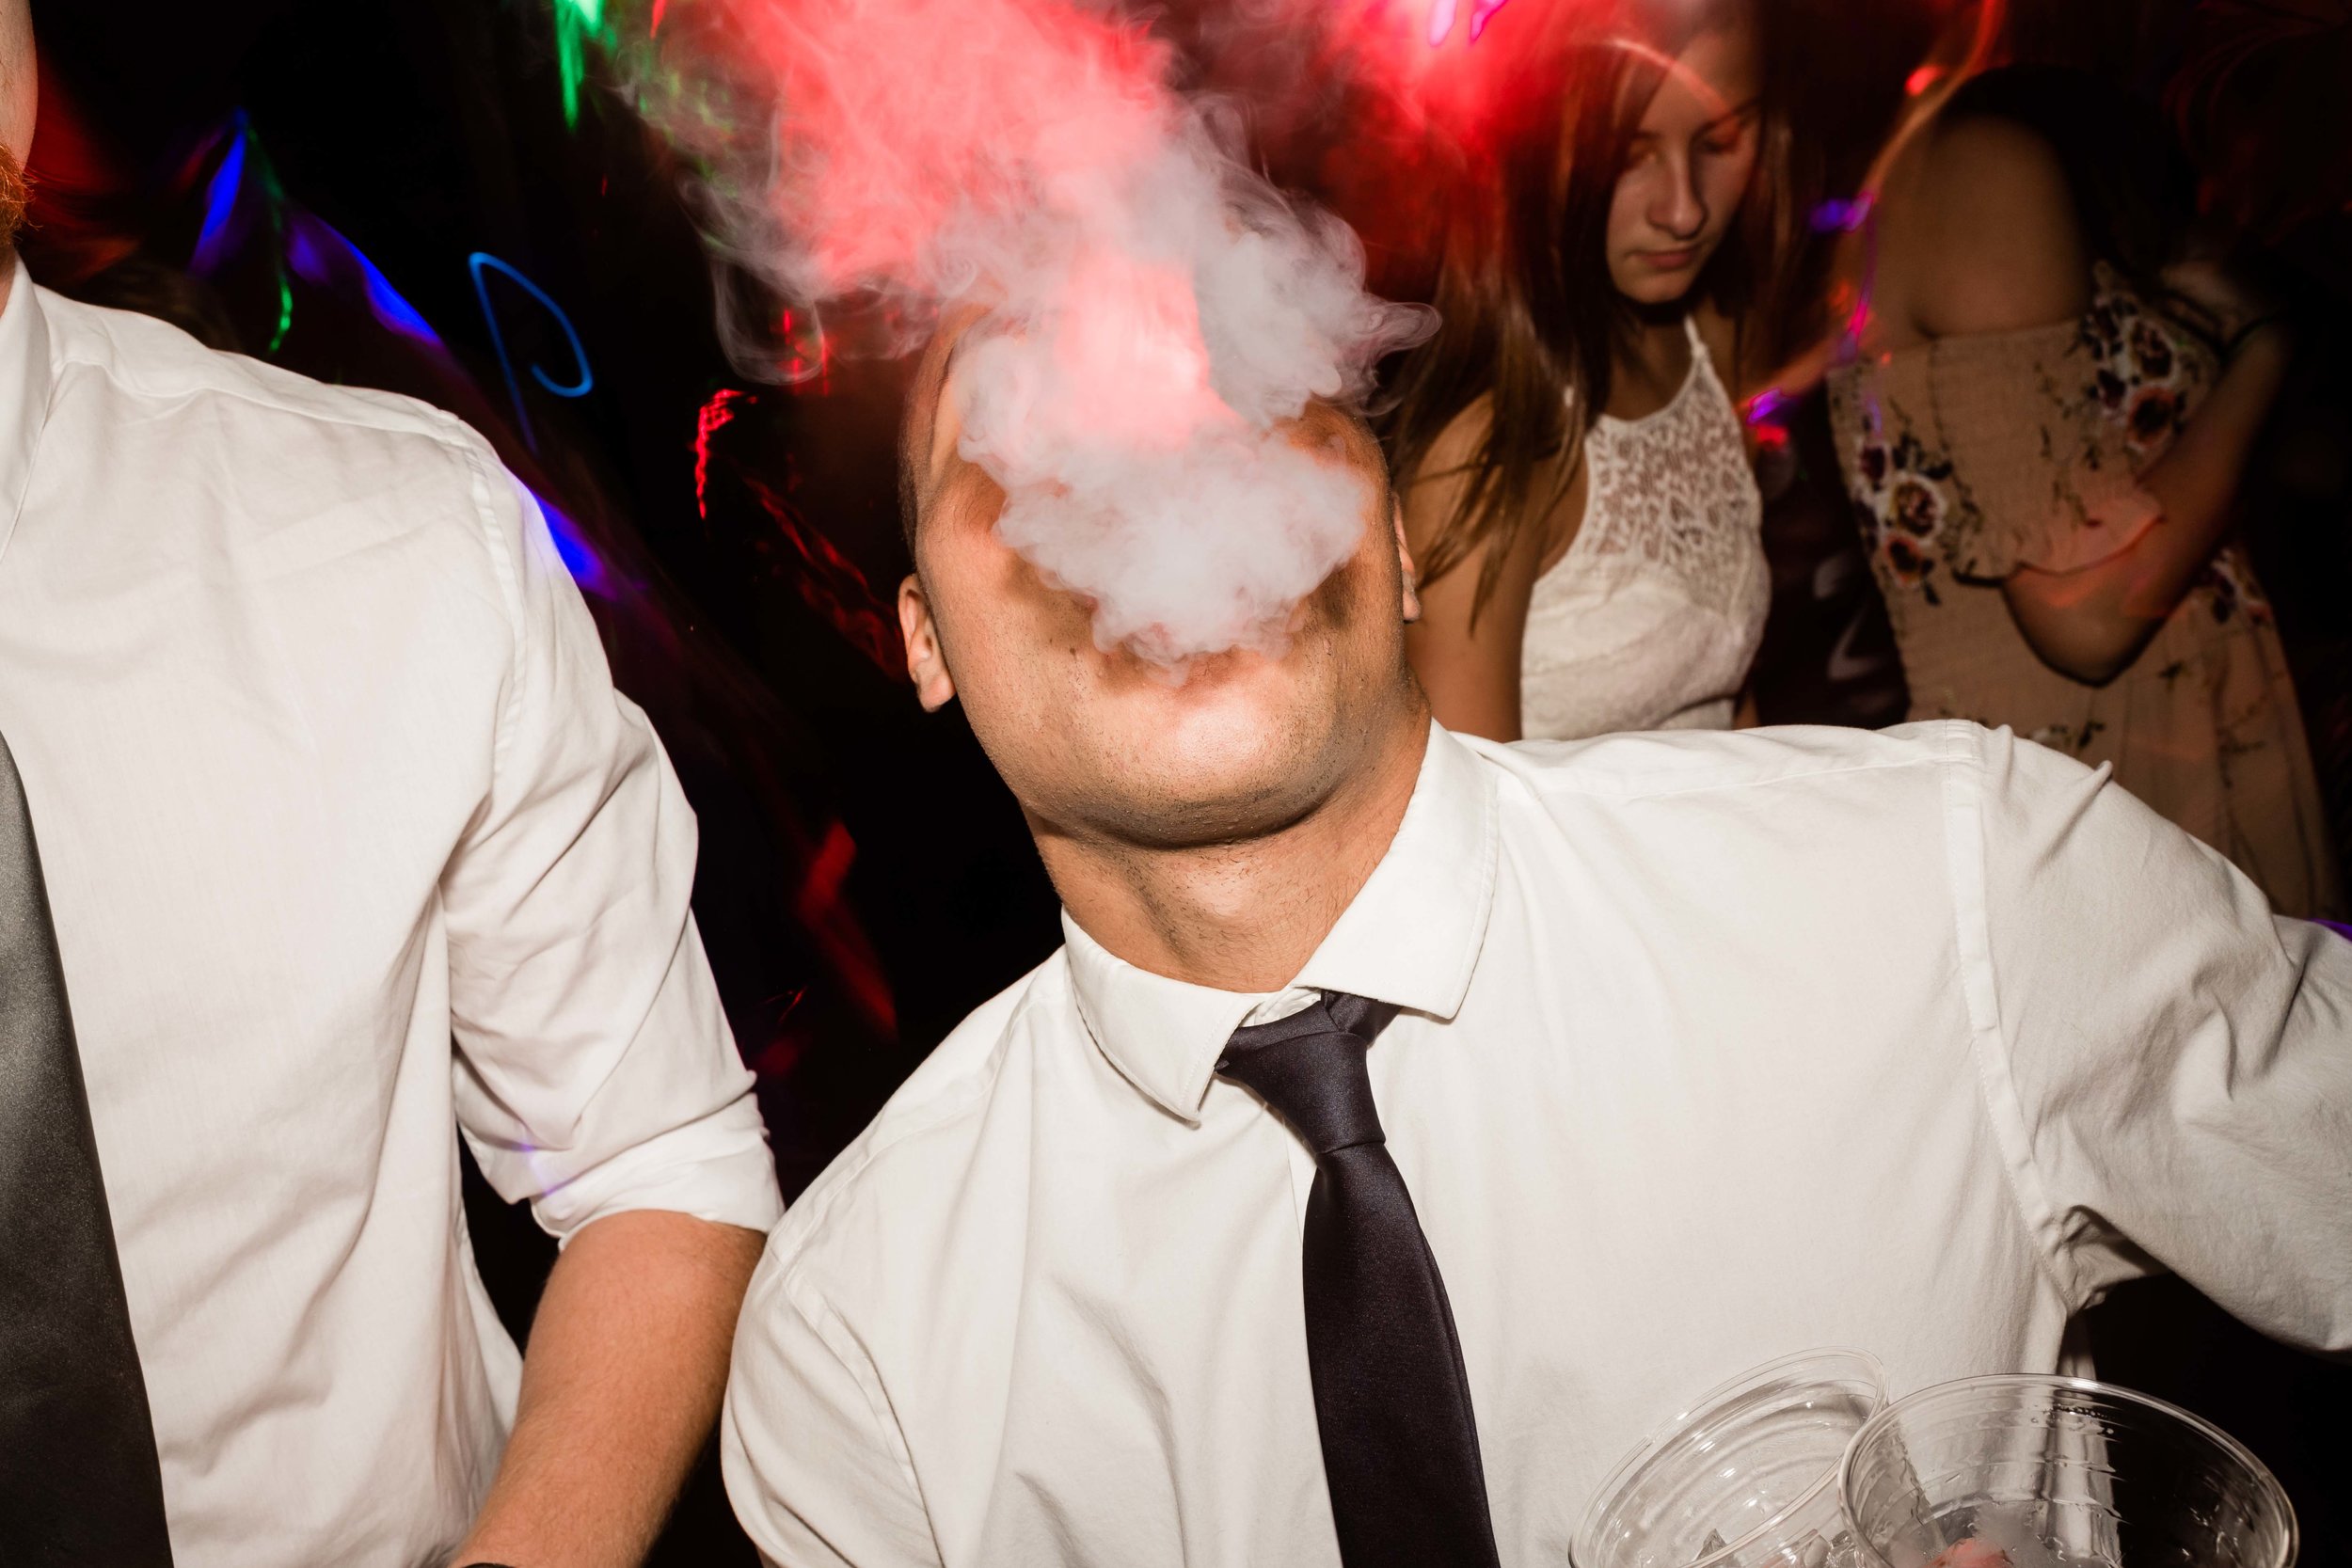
{"x": 865, "y": 880}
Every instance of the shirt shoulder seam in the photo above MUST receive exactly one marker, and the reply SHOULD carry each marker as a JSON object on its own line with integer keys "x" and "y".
{"x": 1627, "y": 787}
{"x": 412, "y": 417}
{"x": 1971, "y": 918}
{"x": 961, "y": 1104}
{"x": 507, "y": 572}
{"x": 831, "y": 1330}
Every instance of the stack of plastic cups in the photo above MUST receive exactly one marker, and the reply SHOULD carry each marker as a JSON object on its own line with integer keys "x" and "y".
{"x": 1746, "y": 1478}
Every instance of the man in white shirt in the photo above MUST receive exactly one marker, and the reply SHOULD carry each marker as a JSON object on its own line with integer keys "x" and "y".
{"x": 325, "y": 770}
{"x": 1072, "y": 1298}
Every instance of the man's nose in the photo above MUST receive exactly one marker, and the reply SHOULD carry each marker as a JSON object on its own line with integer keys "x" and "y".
{"x": 1676, "y": 207}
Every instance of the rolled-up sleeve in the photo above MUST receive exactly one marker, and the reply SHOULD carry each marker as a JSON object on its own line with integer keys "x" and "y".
{"x": 595, "y": 1068}
{"x": 2170, "y": 1063}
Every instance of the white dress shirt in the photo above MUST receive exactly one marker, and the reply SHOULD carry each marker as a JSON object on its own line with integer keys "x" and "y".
{"x": 1715, "y": 1047}
{"x": 327, "y": 769}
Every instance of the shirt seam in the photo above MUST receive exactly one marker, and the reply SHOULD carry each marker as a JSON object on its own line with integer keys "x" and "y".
{"x": 507, "y": 573}
{"x": 413, "y": 418}
{"x": 1575, "y": 786}
{"x": 826, "y": 1324}
{"x": 421, "y": 420}
{"x": 1965, "y": 844}
{"x": 15, "y": 517}
{"x": 794, "y": 1262}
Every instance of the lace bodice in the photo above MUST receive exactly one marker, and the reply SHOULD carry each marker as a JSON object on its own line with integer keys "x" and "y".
{"x": 1651, "y": 618}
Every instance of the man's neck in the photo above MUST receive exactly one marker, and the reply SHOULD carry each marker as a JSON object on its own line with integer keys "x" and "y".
{"x": 1247, "y": 915}
{"x": 7, "y": 274}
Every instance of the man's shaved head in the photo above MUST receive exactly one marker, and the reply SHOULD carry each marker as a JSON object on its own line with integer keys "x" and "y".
{"x": 920, "y": 459}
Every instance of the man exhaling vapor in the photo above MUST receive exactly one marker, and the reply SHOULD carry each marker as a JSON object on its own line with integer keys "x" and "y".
{"x": 1409, "y": 1122}
{"x": 318, "y": 773}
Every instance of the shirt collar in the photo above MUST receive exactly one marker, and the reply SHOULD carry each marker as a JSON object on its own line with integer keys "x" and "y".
{"x": 1410, "y": 937}
{"x": 23, "y": 391}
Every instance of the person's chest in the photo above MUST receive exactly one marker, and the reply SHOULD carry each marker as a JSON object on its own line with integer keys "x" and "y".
{"x": 250, "y": 744}
{"x": 1637, "y": 1182}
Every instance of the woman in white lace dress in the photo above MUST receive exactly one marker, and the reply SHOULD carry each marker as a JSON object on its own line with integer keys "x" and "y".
{"x": 1577, "y": 487}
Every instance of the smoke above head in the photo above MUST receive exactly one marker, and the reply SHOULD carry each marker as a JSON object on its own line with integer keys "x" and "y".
{"x": 1150, "y": 312}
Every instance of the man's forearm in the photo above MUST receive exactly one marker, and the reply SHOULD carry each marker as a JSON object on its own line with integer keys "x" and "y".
{"x": 621, "y": 1384}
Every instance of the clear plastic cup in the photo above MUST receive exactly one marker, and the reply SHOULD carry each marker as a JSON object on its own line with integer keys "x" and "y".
{"x": 1745, "y": 1478}
{"x": 2037, "y": 1472}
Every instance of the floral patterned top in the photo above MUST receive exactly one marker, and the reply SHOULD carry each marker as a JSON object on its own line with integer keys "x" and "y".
{"x": 1970, "y": 457}
{"x": 2111, "y": 393}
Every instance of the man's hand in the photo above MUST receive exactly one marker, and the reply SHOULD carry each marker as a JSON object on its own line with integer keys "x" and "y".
{"x": 621, "y": 1387}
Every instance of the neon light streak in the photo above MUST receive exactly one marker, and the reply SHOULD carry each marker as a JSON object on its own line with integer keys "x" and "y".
{"x": 1442, "y": 12}
{"x": 710, "y": 419}
{"x": 820, "y": 884}
{"x": 1841, "y": 217}
{"x": 224, "y": 199}
{"x": 480, "y": 263}
{"x": 322, "y": 256}
{"x": 220, "y": 204}
{"x": 831, "y": 585}
{"x": 387, "y": 304}
{"x": 580, "y": 558}
{"x": 285, "y": 310}
{"x": 797, "y": 340}
{"x": 576, "y": 22}
{"x": 1483, "y": 14}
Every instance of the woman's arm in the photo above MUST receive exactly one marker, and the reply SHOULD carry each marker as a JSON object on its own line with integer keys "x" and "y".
{"x": 2093, "y": 623}
{"x": 1469, "y": 663}
{"x": 1994, "y": 245}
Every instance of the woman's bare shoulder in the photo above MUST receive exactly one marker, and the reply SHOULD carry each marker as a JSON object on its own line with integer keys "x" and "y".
{"x": 1458, "y": 444}
{"x": 1434, "y": 487}
{"x": 1981, "y": 232}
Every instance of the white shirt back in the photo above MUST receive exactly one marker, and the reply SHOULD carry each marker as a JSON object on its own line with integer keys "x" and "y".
{"x": 1716, "y": 1047}
{"x": 327, "y": 770}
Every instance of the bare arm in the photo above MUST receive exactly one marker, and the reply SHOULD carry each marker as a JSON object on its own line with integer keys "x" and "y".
{"x": 1992, "y": 245}
{"x": 621, "y": 1387}
{"x": 2092, "y": 624}
{"x": 1468, "y": 655}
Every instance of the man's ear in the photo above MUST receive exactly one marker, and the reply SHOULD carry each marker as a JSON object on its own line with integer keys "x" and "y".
{"x": 926, "y": 666}
{"x": 1404, "y": 560}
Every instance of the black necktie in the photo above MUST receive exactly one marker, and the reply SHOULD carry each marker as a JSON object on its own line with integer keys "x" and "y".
{"x": 1400, "y": 1444}
{"x": 79, "y": 1485}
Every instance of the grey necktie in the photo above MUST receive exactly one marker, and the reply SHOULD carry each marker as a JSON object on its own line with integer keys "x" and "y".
{"x": 79, "y": 1482}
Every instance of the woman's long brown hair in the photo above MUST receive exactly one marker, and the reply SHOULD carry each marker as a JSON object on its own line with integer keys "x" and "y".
{"x": 1531, "y": 318}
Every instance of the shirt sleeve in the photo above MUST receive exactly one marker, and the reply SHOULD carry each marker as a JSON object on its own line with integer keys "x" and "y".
{"x": 596, "y": 1073}
{"x": 2168, "y": 1064}
{"x": 815, "y": 1463}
